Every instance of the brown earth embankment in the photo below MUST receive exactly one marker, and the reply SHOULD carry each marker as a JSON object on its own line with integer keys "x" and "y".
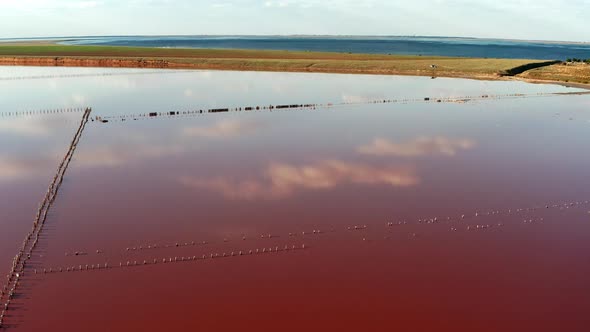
{"x": 483, "y": 69}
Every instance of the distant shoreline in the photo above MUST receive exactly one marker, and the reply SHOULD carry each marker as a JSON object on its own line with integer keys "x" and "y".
{"x": 535, "y": 71}
{"x": 383, "y": 45}
{"x": 64, "y": 38}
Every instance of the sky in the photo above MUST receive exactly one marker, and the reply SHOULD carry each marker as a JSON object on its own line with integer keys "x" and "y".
{"x": 557, "y": 20}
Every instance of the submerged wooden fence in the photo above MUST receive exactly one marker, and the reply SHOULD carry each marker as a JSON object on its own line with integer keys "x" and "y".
{"x": 281, "y": 107}
{"x": 466, "y": 221}
{"x": 312, "y": 106}
{"x": 39, "y": 112}
{"x": 19, "y": 263}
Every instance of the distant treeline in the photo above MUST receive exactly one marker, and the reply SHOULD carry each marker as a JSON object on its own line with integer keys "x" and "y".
{"x": 578, "y": 60}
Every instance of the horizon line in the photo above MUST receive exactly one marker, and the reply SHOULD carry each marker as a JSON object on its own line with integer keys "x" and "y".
{"x": 296, "y": 35}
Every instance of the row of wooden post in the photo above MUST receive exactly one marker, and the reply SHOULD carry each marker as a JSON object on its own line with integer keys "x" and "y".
{"x": 30, "y": 242}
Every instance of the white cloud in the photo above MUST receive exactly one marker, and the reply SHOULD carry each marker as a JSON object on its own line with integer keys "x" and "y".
{"x": 524, "y": 19}
{"x": 39, "y": 5}
{"x": 280, "y": 4}
{"x": 84, "y": 4}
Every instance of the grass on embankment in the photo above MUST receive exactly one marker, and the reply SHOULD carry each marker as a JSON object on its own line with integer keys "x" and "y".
{"x": 262, "y": 60}
{"x": 569, "y": 73}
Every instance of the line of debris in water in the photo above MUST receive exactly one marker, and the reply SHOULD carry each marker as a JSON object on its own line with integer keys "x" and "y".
{"x": 31, "y": 113}
{"x": 281, "y": 107}
{"x": 451, "y": 220}
{"x": 19, "y": 263}
{"x": 36, "y": 77}
{"x": 468, "y": 222}
{"x": 313, "y": 106}
{"x": 176, "y": 259}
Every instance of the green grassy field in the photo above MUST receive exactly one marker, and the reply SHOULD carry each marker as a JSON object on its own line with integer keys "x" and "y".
{"x": 262, "y": 60}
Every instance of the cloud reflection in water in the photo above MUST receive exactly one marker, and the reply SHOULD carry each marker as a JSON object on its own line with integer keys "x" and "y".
{"x": 283, "y": 180}
{"x": 123, "y": 148}
{"x": 113, "y": 156}
{"x": 31, "y": 126}
{"x": 280, "y": 180}
{"x": 418, "y": 147}
{"x": 19, "y": 168}
{"x": 222, "y": 129}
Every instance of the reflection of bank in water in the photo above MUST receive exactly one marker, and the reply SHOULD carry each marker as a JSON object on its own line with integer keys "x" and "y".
{"x": 36, "y": 77}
